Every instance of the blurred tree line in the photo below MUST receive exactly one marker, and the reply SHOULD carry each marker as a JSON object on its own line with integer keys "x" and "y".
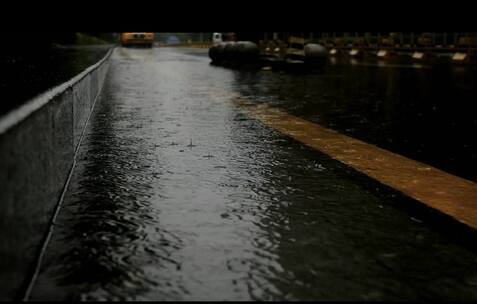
{"x": 38, "y": 41}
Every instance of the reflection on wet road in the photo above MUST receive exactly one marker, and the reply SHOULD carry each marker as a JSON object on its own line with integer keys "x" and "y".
{"x": 426, "y": 112}
{"x": 178, "y": 195}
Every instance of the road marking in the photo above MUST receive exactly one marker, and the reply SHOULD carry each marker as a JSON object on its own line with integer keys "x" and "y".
{"x": 435, "y": 188}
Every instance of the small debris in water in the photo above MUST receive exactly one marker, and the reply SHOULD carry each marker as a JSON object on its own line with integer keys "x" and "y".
{"x": 225, "y": 215}
{"x": 266, "y": 68}
{"x": 181, "y": 150}
{"x": 416, "y": 220}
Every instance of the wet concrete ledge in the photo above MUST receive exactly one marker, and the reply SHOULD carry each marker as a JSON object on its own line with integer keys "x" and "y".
{"x": 38, "y": 142}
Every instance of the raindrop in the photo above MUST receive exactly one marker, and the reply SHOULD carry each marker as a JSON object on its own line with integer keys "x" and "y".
{"x": 320, "y": 167}
{"x": 472, "y": 281}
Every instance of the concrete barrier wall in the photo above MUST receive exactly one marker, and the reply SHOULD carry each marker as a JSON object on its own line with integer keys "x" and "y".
{"x": 37, "y": 147}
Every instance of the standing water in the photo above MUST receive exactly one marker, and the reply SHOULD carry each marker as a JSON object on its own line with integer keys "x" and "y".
{"x": 178, "y": 195}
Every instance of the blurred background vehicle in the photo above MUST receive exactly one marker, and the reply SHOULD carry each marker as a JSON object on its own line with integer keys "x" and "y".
{"x": 139, "y": 39}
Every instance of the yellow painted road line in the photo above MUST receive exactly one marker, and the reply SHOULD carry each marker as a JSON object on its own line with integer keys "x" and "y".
{"x": 435, "y": 188}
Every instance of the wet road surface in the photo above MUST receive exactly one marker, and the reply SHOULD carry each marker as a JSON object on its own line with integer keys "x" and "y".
{"x": 179, "y": 195}
{"x": 423, "y": 111}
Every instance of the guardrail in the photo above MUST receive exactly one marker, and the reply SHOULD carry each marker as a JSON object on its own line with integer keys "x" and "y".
{"x": 38, "y": 145}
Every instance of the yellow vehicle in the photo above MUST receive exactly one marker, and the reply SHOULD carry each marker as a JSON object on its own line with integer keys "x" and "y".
{"x": 140, "y": 39}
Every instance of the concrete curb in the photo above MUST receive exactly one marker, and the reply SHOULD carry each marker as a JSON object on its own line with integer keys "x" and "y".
{"x": 38, "y": 144}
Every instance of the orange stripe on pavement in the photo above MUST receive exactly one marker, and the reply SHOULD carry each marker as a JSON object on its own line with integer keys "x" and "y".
{"x": 435, "y": 188}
